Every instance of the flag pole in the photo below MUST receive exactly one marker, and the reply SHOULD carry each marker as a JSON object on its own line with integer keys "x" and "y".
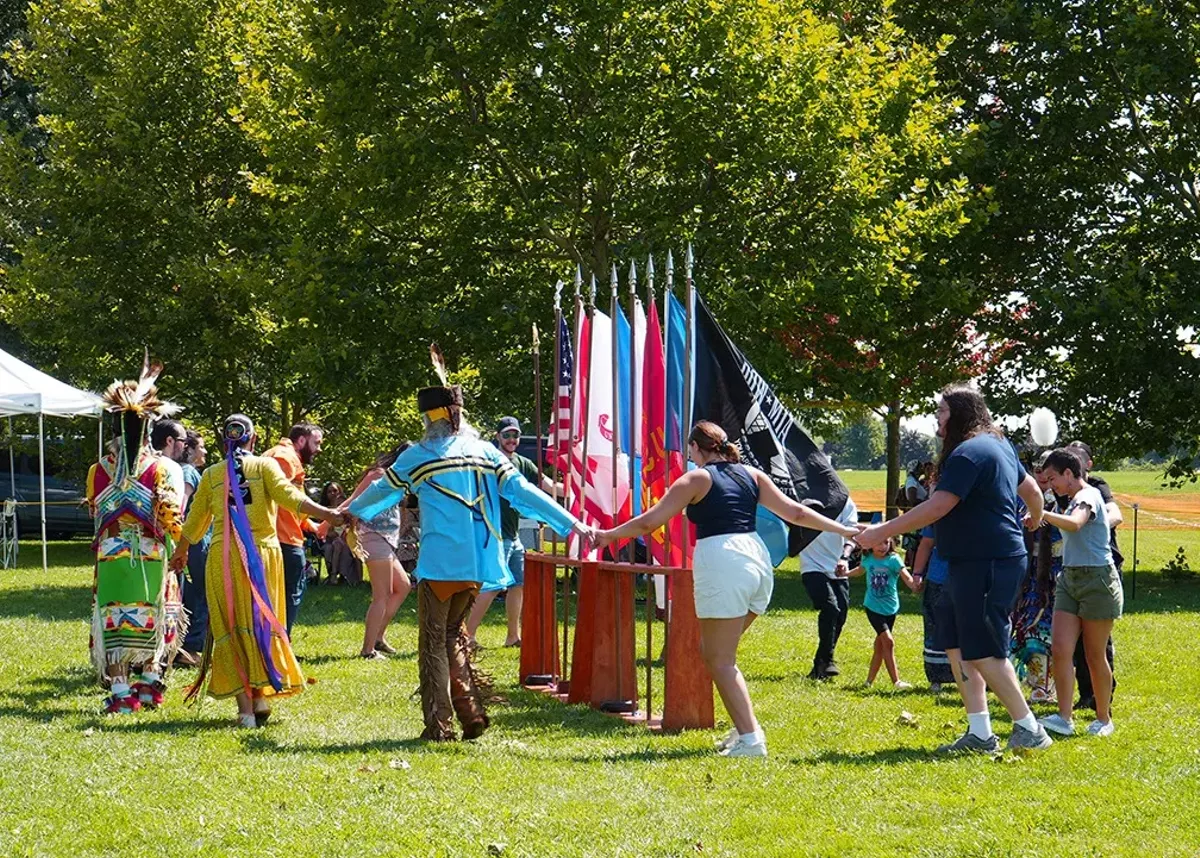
{"x": 585, "y": 422}
{"x": 614, "y": 308}
{"x": 688, "y": 381}
{"x": 537, "y": 398}
{"x": 635, "y": 426}
{"x": 652, "y": 582}
{"x": 635, "y": 403}
{"x": 558, "y": 287}
{"x": 576, "y": 333}
{"x": 666, "y": 327}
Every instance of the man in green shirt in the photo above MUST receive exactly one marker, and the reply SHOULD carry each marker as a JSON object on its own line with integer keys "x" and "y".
{"x": 508, "y": 436}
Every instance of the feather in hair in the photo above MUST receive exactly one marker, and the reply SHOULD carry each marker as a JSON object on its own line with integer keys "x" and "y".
{"x": 439, "y": 364}
{"x": 150, "y": 373}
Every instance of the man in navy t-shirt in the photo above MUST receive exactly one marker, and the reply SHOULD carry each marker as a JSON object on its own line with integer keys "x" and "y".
{"x": 976, "y": 510}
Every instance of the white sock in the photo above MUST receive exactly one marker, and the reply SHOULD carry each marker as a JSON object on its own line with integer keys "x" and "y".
{"x": 150, "y": 676}
{"x": 753, "y": 738}
{"x": 979, "y": 724}
{"x": 1029, "y": 722}
{"x": 120, "y": 689}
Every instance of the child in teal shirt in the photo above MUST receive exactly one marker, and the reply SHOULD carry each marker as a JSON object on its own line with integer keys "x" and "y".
{"x": 882, "y": 567}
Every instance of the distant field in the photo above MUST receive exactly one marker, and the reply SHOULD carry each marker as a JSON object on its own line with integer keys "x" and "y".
{"x": 1166, "y": 518}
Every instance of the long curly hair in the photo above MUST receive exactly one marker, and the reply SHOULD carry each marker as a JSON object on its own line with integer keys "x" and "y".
{"x": 969, "y": 416}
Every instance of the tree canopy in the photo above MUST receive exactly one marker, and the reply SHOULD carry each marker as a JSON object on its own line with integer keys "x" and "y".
{"x": 288, "y": 200}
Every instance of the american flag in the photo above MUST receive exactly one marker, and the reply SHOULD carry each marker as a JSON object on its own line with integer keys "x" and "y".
{"x": 566, "y": 366}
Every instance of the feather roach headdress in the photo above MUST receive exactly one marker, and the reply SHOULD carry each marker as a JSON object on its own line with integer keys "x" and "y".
{"x": 446, "y": 395}
{"x": 140, "y": 397}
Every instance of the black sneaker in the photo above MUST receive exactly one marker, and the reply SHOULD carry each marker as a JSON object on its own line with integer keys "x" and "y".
{"x": 969, "y": 743}
{"x": 818, "y": 670}
{"x": 831, "y": 670}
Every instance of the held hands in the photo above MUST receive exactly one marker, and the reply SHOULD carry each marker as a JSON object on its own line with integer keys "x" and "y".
{"x": 585, "y": 533}
{"x": 870, "y": 536}
{"x": 1030, "y": 524}
{"x": 178, "y": 561}
{"x": 842, "y": 570}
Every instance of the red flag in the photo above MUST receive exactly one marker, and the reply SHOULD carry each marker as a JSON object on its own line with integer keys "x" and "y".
{"x": 654, "y": 456}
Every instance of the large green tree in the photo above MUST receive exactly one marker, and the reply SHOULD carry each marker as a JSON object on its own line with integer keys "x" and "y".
{"x": 1090, "y": 139}
{"x": 288, "y": 200}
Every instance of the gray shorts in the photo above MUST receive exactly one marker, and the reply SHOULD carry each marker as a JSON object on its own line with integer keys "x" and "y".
{"x": 1089, "y": 592}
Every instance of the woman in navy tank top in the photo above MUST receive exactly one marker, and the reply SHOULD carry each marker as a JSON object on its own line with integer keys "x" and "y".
{"x": 732, "y": 569}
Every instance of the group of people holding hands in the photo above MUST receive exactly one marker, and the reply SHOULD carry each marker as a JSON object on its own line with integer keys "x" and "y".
{"x": 980, "y": 500}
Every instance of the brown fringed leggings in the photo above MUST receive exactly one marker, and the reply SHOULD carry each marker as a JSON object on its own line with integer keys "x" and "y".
{"x": 447, "y": 686}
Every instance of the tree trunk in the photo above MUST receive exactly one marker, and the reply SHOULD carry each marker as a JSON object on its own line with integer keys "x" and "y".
{"x": 893, "y": 457}
{"x": 285, "y": 410}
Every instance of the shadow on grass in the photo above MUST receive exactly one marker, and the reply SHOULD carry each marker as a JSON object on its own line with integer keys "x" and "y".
{"x": 882, "y": 756}
{"x": 139, "y": 724}
{"x": 262, "y": 742}
{"x": 39, "y": 715}
{"x": 51, "y": 602}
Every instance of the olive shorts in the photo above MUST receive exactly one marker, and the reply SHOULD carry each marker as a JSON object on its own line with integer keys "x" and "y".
{"x": 1089, "y": 592}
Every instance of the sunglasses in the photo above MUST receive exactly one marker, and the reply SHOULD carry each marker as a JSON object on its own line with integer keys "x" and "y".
{"x": 510, "y": 434}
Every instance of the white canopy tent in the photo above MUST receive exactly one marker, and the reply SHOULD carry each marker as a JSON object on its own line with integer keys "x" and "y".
{"x": 25, "y": 390}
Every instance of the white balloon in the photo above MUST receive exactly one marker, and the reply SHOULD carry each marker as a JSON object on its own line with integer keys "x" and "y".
{"x": 1043, "y": 426}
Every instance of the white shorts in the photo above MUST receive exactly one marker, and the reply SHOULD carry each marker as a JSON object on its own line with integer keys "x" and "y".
{"x": 733, "y": 576}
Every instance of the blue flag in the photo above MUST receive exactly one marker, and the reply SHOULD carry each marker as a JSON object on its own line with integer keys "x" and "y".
{"x": 676, "y": 348}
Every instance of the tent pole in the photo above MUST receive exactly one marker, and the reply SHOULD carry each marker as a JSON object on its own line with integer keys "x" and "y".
{"x": 42, "y": 481}
{"x": 12, "y": 469}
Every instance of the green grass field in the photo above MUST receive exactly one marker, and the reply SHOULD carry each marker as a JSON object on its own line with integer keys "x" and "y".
{"x": 338, "y": 772}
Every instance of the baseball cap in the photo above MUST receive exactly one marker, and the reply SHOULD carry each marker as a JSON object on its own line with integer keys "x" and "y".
{"x": 507, "y": 423}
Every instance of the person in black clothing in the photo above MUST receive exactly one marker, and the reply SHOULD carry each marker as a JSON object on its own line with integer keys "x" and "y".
{"x": 1083, "y": 677}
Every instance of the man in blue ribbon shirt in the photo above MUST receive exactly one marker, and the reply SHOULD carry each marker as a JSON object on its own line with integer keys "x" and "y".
{"x": 459, "y": 480}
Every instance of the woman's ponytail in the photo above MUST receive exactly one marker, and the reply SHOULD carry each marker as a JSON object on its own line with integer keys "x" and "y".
{"x": 711, "y": 438}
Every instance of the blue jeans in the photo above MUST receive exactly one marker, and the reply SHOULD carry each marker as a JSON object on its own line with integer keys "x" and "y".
{"x": 514, "y": 558}
{"x": 295, "y": 582}
{"x": 195, "y": 598}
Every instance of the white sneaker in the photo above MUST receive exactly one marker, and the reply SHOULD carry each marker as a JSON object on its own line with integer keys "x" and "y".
{"x": 901, "y": 685}
{"x": 727, "y": 741}
{"x": 1100, "y": 728}
{"x": 247, "y": 721}
{"x": 742, "y": 748}
{"x": 1058, "y": 724}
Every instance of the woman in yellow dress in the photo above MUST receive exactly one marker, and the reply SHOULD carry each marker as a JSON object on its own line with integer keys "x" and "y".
{"x": 249, "y": 655}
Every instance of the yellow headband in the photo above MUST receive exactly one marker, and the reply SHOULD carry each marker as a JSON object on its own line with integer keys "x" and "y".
{"x": 438, "y": 414}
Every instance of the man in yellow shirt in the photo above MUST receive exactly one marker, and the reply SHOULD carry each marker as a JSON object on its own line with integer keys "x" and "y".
{"x": 293, "y": 453}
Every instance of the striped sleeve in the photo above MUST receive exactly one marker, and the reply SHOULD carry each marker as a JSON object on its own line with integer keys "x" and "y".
{"x": 384, "y": 493}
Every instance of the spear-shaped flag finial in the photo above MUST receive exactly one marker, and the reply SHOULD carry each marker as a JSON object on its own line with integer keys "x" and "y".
{"x": 612, "y": 280}
{"x": 592, "y": 291}
{"x": 578, "y": 280}
{"x": 650, "y": 276}
{"x": 632, "y": 277}
{"x": 688, "y": 262}
{"x": 670, "y": 271}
